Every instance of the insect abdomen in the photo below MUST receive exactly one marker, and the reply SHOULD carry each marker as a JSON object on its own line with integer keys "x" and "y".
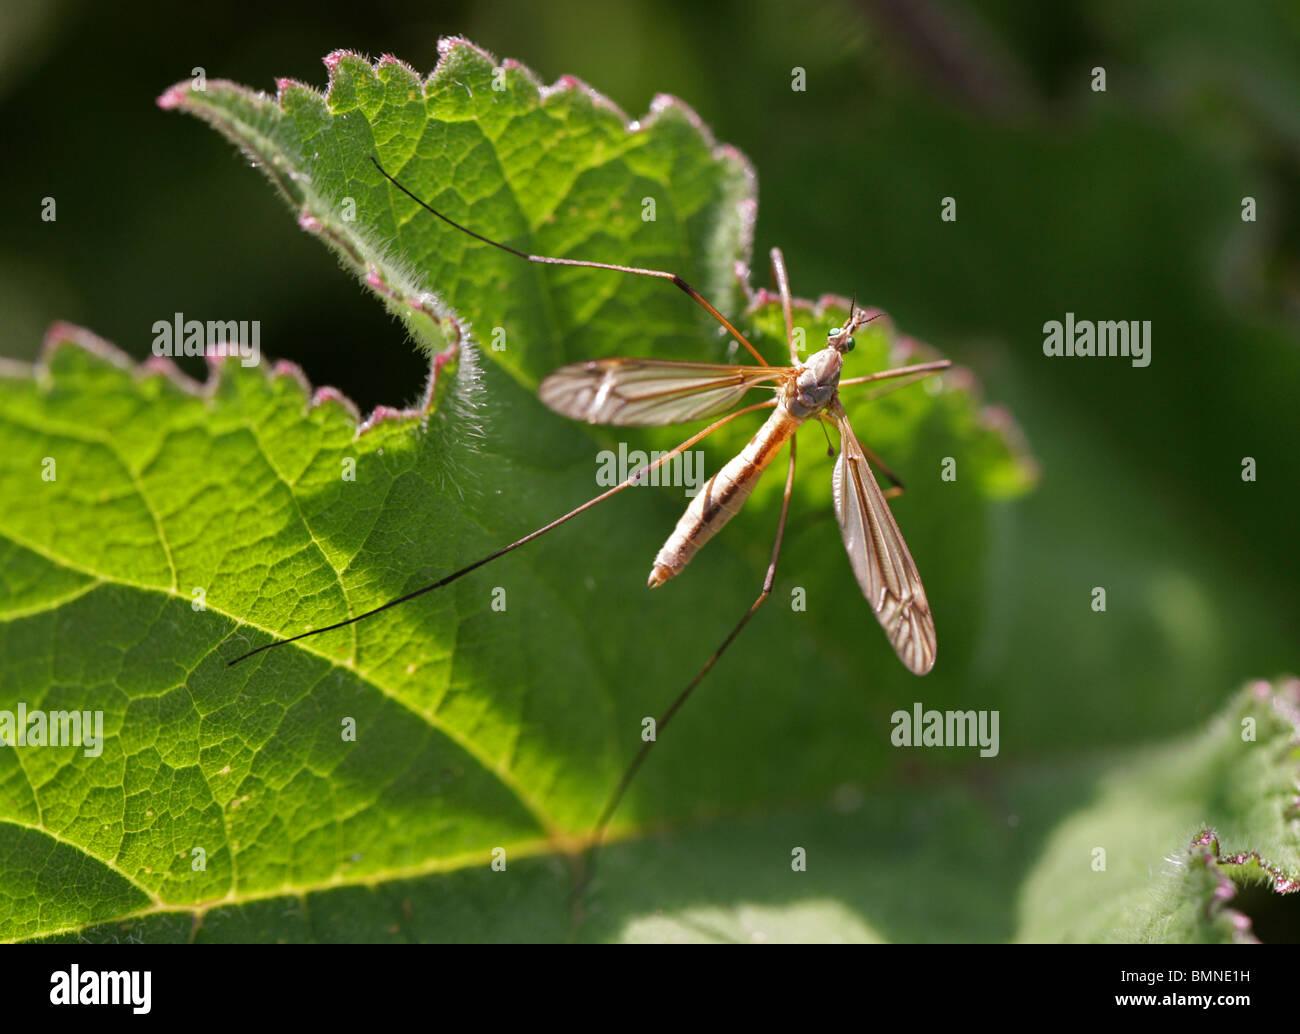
{"x": 722, "y": 497}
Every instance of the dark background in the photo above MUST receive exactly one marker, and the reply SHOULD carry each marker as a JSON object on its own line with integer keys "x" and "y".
{"x": 1120, "y": 205}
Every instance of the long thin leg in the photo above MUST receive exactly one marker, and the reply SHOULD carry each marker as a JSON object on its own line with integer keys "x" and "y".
{"x": 901, "y": 371}
{"x": 661, "y": 274}
{"x": 632, "y": 478}
{"x": 783, "y": 285}
{"x": 630, "y": 773}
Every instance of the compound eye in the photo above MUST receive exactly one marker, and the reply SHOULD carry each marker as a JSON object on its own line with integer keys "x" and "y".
{"x": 848, "y": 344}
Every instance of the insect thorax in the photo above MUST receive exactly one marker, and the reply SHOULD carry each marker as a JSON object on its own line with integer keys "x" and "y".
{"x": 815, "y": 386}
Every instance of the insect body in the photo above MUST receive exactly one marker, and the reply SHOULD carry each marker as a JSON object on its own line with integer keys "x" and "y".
{"x": 722, "y": 496}
{"x": 798, "y": 398}
{"x": 650, "y": 392}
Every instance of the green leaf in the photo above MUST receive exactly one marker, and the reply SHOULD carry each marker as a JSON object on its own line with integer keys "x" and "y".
{"x": 182, "y": 524}
{"x": 555, "y": 171}
{"x": 1180, "y": 827}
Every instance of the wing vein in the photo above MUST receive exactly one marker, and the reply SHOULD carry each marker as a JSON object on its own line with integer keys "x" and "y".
{"x": 879, "y": 556}
{"x": 650, "y": 392}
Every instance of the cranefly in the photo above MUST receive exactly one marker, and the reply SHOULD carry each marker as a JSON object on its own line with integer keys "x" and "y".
{"x": 654, "y": 392}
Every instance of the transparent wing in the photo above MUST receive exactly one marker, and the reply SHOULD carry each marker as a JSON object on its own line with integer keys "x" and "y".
{"x": 881, "y": 562}
{"x": 649, "y": 392}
